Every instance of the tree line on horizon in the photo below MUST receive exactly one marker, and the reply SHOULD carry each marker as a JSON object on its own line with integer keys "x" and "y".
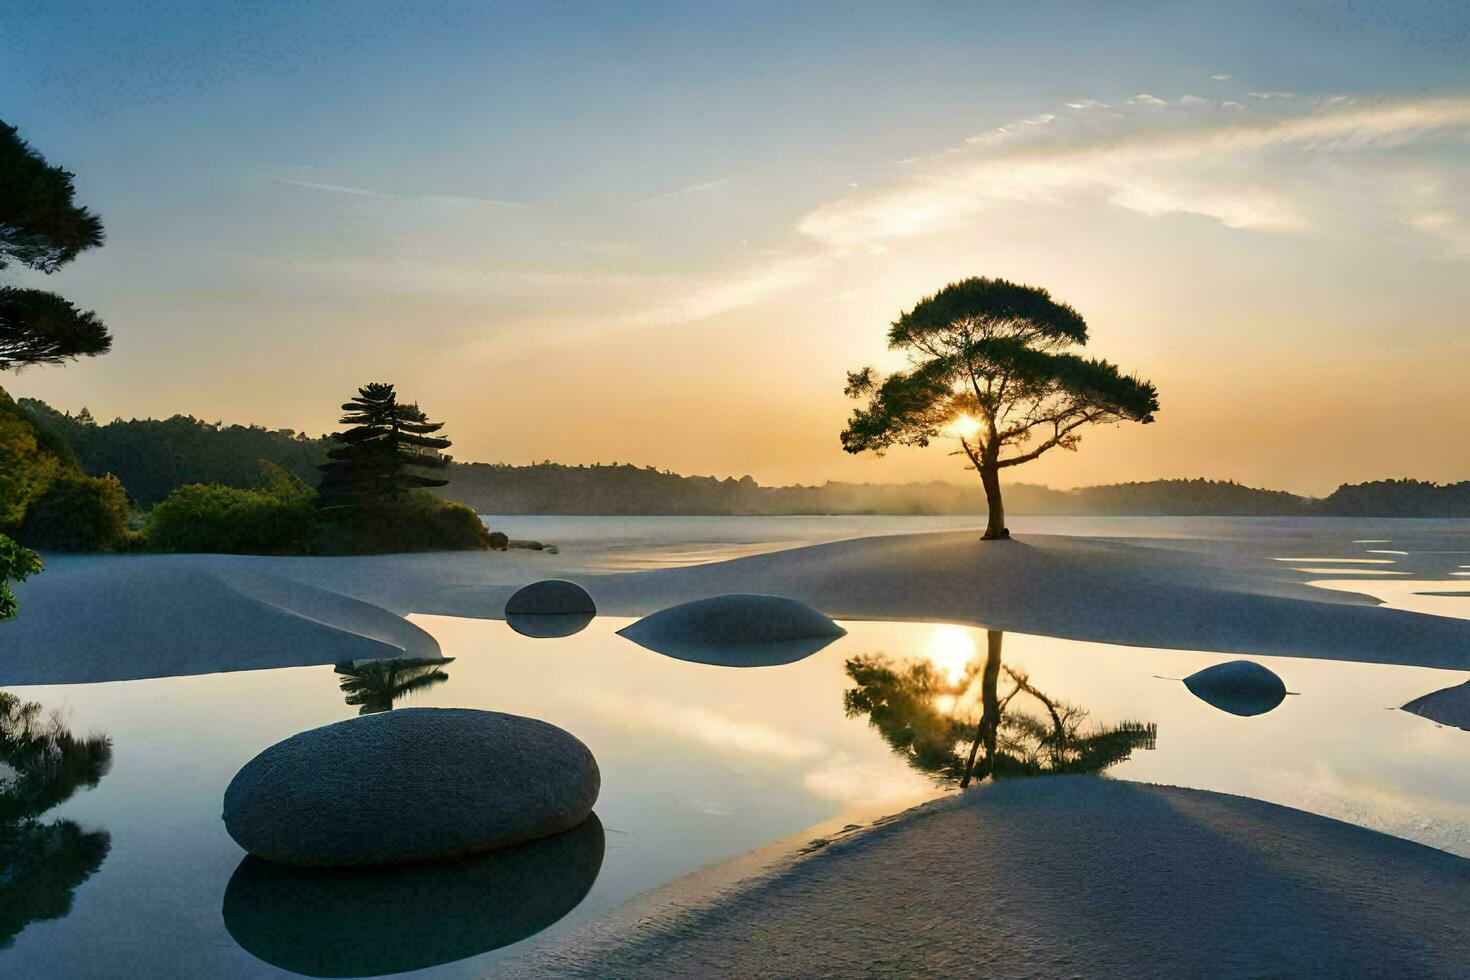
{"x": 154, "y": 457}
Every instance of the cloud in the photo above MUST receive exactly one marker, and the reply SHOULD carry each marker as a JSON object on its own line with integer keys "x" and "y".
{"x": 1162, "y": 162}
{"x": 714, "y": 295}
{"x": 707, "y": 185}
{"x": 1087, "y": 104}
{"x": 398, "y": 195}
{"x": 1146, "y": 99}
{"x": 1222, "y": 77}
{"x": 1452, "y": 231}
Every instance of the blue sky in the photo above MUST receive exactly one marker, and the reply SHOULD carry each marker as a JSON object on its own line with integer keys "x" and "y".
{"x": 560, "y": 225}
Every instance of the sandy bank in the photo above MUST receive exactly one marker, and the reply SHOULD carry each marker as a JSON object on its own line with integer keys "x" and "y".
{"x": 1062, "y": 876}
{"x": 101, "y": 618}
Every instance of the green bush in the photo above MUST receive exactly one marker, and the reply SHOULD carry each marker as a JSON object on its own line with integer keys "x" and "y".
{"x": 16, "y": 565}
{"x": 77, "y": 512}
{"x": 417, "y": 521}
{"x": 210, "y": 518}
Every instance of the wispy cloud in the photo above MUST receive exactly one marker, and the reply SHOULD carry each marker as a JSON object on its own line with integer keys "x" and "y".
{"x": 1189, "y": 159}
{"x": 1146, "y": 99}
{"x": 396, "y": 195}
{"x": 1221, "y": 77}
{"x": 707, "y": 185}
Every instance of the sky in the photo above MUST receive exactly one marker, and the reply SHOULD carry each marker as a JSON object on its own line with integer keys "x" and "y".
{"x": 661, "y": 233}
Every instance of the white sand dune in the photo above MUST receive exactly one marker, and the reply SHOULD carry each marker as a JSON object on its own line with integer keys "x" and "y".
{"x": 98, "y": 618}
{"x": 1059, "y": 876}
{"x": 88, "y": 619}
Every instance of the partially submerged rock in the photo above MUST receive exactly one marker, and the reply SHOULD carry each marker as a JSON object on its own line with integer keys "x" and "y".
{"x": 741, "y": 630}
{"x": 416, "y": 784}
{"x": 551, "y": 597}
{"x": 360, "y": 923}
{"x": 1450, "y": 706}
{"x": 1240, "y": 687}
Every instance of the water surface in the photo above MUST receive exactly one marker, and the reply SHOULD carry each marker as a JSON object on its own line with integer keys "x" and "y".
{"x": 700, "y": 763}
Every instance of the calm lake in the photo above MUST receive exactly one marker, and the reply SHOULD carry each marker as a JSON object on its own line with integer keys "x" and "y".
{"x": 700, "y": 763}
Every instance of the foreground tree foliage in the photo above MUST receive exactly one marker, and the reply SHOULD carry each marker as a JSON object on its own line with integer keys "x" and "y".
{"x": 16, "y": 565}
{"x": 991, "y": 364}
{"x": 41, "y": 227}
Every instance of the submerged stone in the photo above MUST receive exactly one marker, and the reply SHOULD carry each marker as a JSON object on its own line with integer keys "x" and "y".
{"x": 1240, "y": 687}
{"x": 551, "y": 597}
{"x": 360, "y": 923}
{"x": 1449, "y": 707}
{"x": 740, "y": 630}
{"x": 416, "y": 784}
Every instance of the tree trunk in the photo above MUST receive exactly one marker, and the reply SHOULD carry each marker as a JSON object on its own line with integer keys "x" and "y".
{"x": 995, "y": 527}
{"x": 990, "y": 709}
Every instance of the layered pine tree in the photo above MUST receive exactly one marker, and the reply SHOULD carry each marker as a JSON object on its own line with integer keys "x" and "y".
{"x": 380, "y": 458}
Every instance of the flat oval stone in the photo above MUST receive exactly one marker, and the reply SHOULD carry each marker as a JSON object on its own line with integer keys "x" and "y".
{"x": 551, "y": 597}
{"x": 415, "y": 784}
{"x": 1240, "y": 687}
{"x": 738, "y": 630}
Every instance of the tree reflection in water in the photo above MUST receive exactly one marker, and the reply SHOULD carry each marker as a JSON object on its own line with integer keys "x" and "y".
{"x": 974, "y": 725}
{"x": 41, "y": 765}
{"x": 373, "y": 685}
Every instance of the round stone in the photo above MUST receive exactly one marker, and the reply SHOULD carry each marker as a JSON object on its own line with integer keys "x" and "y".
{"x": 350, "y": 922}
{"x": 739, "y": 630}
{"x": 415, "y": 784}
{"x": 551, "y": 597}
{"x": 1240, "y": 687}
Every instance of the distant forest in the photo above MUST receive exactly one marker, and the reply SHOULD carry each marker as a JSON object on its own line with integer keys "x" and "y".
{"x": 151, "y": 457}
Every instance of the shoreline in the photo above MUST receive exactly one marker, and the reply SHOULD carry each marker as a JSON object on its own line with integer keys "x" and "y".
{"x": 92, "y": 618}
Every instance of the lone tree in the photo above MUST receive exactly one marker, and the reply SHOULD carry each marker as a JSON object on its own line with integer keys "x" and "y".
{"x": 990, "y": 365}
{"x": 372, "y": 461}
{"x": 41, "y": 228}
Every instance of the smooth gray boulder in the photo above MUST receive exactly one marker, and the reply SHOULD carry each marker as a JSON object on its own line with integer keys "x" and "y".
{"x": 1449, "y": 707}
{"x": 1240, "y": 687}
{"x": 416, "y": 784}
{"x": 551, "y": 597}
{"x": 740, "y": 630}
{"x": 353, "y": 923}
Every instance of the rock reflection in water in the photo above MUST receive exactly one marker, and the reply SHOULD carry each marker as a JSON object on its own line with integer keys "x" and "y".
{"x": 373, "y": 685}
{"x": 361, "y": 923}
{"x": 41, "y": 765}
{"x": 969, "y": 722}
{"x": 548, "y": 626}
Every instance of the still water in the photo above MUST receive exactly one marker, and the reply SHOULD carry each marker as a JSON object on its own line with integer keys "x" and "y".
{"x": 699, "y": 764}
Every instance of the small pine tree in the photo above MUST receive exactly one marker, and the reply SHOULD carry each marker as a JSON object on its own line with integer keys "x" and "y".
{"x": 371, "y": 462}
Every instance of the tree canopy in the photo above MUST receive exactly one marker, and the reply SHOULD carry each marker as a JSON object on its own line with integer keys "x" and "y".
{"x": 374, "y": 460}
{"x": 42, "y": 228}
{"x": 991, "y": 363}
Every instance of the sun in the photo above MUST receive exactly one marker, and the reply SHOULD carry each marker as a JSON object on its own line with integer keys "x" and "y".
{"x": 963, "y": 427}
{"x": 950, "y": 649}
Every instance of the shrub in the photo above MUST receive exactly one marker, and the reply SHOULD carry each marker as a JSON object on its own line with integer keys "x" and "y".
{"x": 210, "y": 518}
{"x": 414, "y": 522}
{"x": 16, "y": 565}
{"x": 77, "y": 512}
